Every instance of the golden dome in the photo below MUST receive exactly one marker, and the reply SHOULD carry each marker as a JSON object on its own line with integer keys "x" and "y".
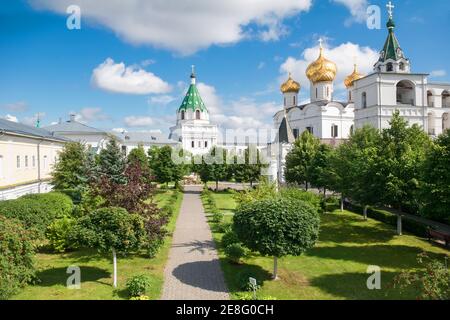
{"x": 353, "y": 77}
{"x": 321, "y": 70}
{"x": 290, "y": 85}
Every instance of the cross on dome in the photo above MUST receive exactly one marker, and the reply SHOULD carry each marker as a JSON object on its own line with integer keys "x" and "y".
{"x": 390, "y": 8}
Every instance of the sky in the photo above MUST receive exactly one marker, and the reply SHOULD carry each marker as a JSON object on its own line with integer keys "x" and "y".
{"x": 128, "y": 66}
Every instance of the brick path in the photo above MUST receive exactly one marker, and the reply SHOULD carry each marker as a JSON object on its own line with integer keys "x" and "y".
{"x": 193, "y": 270}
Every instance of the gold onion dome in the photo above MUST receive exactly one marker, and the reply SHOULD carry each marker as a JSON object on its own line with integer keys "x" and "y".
{"x": 290, "y": 85}
{"x": 353, "y": 77}
{"x": 321, "y": 70}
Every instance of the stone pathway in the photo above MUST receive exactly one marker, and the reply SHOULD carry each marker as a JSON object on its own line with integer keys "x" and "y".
{"x": 193, "y": 270}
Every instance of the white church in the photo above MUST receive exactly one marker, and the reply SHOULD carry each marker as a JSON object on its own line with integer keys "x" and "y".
{"x": 371, "y": 100}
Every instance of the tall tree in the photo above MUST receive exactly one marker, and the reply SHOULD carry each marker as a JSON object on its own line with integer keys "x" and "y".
{"x": 137, "y": 156}
{"x": 214, "y": 166}
{"x": 111, "y": 162}
{"x": 72, "y": 168}
{"x": 163, "y": 167}
{"x": 321, "y": 167}
{"x": 299, "y": 159}
{"x": 435, "y": 192}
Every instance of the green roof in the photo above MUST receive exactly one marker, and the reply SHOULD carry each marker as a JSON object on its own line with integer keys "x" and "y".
{"x": 391, "y": 49}
{"x": 192, "y": 100}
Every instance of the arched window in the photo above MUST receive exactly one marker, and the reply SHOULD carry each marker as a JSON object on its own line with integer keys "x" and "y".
{"x": 406, "y": 92}
{"x": 445, "y": 99}
{"x": 389, "y": 67}
{"x": 430, "y": 99}
{"x": 445, "y": 121}
{"x": 402, "y": 66}
{"x": 431, "y": 124}
{"x": 182, "y": 115}
{"x": 295, "y": 102}
{"x": 197, "y": 114}
{"x": 349, "y": 96}
{"x": 364, "y": 100}
{"x": 328, "y": 92}
{"x": 193, "y": 144}
{"x": 317, "y": 93}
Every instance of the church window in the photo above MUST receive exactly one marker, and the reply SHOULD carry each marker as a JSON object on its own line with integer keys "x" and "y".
{"x": 193, "y": 144}
{"x": 34, "y": 161}
{"x": 197, "y": 114}
{"x": 364, "y": 100}
{"x": 310, "y": 130}
{"x": 296, "y": 133}
{"x": 206, "y": 144}
{"x": 334, "y": 131}
{"x": 317, "y": 93}
{"x": 26, "y": 161}
{"x": 182, "y": 115}
{"x": 18, "y": 162}
{"x": 389, "y": 67}
{"x": 349, "y": 96}
{"x": 352, "y": 128}
{"x": 295, "y": 102}
{"x": 328, "y": 91}
{"x": 402, "y": 66}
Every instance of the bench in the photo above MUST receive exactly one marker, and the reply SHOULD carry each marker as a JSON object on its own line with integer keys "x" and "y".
{"x": 440, "y": 235}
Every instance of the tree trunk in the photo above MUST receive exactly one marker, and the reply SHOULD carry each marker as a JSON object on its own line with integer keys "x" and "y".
{"x": 275, "y": 268}
{"x": 251, "y": 183}
{"x": 217, "y": 185}
{"x": 115, "y": 268}
{"x": 325, "y": 192}
{"x": 342, "y": 203}
{"x": 365, "y": 212}
{"x": 306, "y": 185}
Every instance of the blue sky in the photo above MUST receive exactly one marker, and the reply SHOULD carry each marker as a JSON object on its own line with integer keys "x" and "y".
{"x": 129, "y": 65}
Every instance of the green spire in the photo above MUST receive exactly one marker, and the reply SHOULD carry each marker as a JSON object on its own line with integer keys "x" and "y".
{"x": 391, "y": 49}
{"x": 192, "y": 100}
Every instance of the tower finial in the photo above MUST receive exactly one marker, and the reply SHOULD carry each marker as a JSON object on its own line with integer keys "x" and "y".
{"x": 390, "y": 8}
{"x": 38, "y": 121}
{"x": 193, "y": 75}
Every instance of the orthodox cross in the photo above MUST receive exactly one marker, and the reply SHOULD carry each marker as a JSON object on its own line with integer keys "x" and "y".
{"x": 390, "y": 8}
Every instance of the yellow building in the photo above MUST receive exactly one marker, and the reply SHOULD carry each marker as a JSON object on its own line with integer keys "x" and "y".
{"x": 27, "y": 156}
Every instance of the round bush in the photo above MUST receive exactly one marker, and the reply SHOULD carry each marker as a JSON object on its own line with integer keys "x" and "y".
{"x": 229, "y": 238}
{"x": 235, "y": 252}
{"x": 277, "y": 227}
{"x": 37, "y": 211}
{"x": 16, "y": 257}
{"x": 138, "y": 285}
{"x": 58, "y": 234}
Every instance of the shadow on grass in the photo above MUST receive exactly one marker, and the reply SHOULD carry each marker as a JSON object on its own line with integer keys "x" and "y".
{"x": 58, "y": 276}
{"x": 354, "y": 286}
{"x": 393, "y": 256}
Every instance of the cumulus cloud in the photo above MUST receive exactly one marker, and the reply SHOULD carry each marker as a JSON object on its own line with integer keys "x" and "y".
{"x": 357, "y": 8}
{"x": 87, "y": 115}
{"x": 20, "y": 106}
{"x": 162, "y": 100}
{"x": 138, "y": 121}
{"x": 10, "y": 117}
{"x": 116, "y": 77}
{"x": 186, "y": 26}
{"x": 344, "y": 55}
{"x": 438, "y": 73}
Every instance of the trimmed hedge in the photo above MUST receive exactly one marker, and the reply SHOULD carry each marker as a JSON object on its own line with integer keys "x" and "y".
{"x": 37, "y": 211}
{"x": 16, "y": 257}
{"x": 411, "y": 226}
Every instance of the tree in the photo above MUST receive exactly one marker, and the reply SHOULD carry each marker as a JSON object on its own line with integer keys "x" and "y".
{"x": 435, "y": 192}
{"x": 299, "y": 159}
{"x": 111, "y": 162}
{"x": 321, "y": 167}
{"x": 72, "y": 168}
{"x": 247, "y": 168}
{"x": 277, "y": 227}
{"x": 110, "y": 230}
{"x": 214, "y": 166}
{"x": 163, "y": 167}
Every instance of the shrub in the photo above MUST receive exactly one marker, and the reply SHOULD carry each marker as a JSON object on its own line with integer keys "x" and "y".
{"x": 140, "y": 298}
{"x": 57, "y": 233}
{"x": 16, "y": 257}
{"x": 153, "y": 246}
{"x": 37, "y": 211}
{"x": 298, "y": 194}
{"x": 217, "y": 216}
{"x": 137, "y": 286}
{"x": 229, "y": 238}
{"x": 244, "y": 281}
{"x": 223, "y": 227}
{"x": 235, "y": 252}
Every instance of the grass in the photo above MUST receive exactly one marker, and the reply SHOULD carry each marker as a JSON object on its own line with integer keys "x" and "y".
{"x": 336, "y": 267}
{"x": 96, "y": 270}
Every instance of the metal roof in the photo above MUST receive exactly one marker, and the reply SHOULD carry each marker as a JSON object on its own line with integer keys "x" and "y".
{"x": 144, "y": 137}
{"x": 23, "y": 129}
{"x": 72, "y": 126}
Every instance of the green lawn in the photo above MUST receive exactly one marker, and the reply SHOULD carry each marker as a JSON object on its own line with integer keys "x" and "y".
{"x": 336, "y": 267}
{"x": 96, "y": 270}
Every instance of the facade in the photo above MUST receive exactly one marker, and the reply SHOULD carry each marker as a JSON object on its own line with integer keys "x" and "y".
{"x": 76, "y": 131}
{"x": 27, "y": 156}
{"x": 193, "y": 129}
{"x": 132, "y": 140}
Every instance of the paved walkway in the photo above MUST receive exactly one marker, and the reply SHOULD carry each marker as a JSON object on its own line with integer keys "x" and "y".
{"x": 193, "y": 270}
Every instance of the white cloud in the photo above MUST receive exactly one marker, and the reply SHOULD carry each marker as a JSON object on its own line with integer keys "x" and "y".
{"x": 357, "y": 8}
{"x": 118, "y": 130}
{"x": 438, "y": 73}
{"x": 139, "y": 121}
{"x": 20, "y": 106}
{"x": 261, "y": 65}
{"x": 87, "y": 115}
{"x": 116, "y": 77}
{"x": 31, "y": 121}
{"x": 343, "y": 55}
{"x": 10, "y": 117}
{"x": 186, "y": 26}
{"x": 162, "y": 99}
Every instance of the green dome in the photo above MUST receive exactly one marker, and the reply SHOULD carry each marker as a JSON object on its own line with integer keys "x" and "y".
{"x": 390, "y": 24}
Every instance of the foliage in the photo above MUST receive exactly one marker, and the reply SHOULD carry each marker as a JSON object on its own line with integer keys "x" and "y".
{"x": 299, "y": 161}
{"x": 229, "y": 238}
{"x": 264, "y": 190}
{"x": 111, "y": 163}
{"x": 109, "y": 228}
{"x": 433, "y": 283}
{"x": 139, "y": 157}
{"x": 163, "y": 167}
{"x": 137, "y": 286}
{"x": 277, "y": 227}
{"x": 140, "y": 298}
{"x": 321, "y": 169}
{"x": 72, "y": 168}
{"x": 435, "y": 192}
{"x": 37, "y": 211}
{"x": 244, "y": 281}
{"x": 214, "y": 166}
{"x": 298, "y": 194}
{"x": 58, "y": 234}
{"x": 247, "y": 168}
{"x": 235, "y": 252}
{"x": 16, "y": 258}
{"x": 217, "y": 216}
